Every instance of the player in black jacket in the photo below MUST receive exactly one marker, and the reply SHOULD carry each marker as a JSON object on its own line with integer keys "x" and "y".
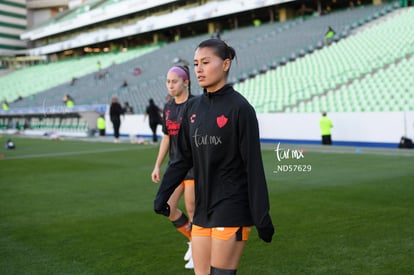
{"x": 219, "y": 136}
{"x": 178, "y": 85}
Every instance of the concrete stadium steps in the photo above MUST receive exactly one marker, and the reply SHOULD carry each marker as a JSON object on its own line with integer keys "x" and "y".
{"x": 48, "y": 83}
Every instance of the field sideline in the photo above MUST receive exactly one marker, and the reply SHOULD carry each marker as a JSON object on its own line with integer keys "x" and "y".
{"x": 79, "y": 207}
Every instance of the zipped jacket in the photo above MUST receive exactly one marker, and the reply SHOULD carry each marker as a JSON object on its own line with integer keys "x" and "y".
{"x": 219, "y": 136}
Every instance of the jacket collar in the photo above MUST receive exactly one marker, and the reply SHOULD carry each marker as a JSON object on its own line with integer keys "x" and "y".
{"x": 226, "y": 89}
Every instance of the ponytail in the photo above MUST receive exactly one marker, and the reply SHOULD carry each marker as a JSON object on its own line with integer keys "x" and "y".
{"x": 187, "y": 70}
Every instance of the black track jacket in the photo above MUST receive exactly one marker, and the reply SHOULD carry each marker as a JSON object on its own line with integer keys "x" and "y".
{"x": 219, "y": 136}
{"x": 172, "y": 116}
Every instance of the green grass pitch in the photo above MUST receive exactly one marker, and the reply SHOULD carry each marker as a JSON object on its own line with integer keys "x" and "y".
{"x": 78, "y": 207}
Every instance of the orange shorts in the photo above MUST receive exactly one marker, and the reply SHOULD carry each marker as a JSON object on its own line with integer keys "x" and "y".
{"x": 184, "y": 182}
{"x": 222, "y": 233}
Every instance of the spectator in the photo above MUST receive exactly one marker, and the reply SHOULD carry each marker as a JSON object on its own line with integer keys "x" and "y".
{"x": 5, "y": 105}
{"x": 329, "y": 35}
{"x": 19, "y": 98}
{"x": 257, "y": 22}
{"x": 115, "y": 112}
{"x": 325, "y": 124}
{"x": 69, "y": 102}
{"x": 128, "y": 109}
{"x": 154, "y": 113}
{"x": 101, "y": 125}
{"x": 73, "y": 81}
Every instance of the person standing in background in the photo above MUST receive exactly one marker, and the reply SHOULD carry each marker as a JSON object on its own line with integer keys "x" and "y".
{"x": 329, "y": 35}
{"x": 154, "y": 113}
{"x": 5, "y": 105}
{"x": 115, "y": 112}
{"x": 325, "y": 124}
{"x": 69, "y": 102}
{"x": 128, "y": 108}
{"x": 101, "y": 125}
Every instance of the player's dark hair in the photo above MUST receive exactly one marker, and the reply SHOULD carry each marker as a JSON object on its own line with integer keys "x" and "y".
{"x": 220, "y": 47}
{"x": 222, "y": 50}
{"x": 187, "y": 71}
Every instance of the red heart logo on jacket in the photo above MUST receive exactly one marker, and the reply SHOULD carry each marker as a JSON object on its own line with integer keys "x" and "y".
{"x": 221, "y": 121}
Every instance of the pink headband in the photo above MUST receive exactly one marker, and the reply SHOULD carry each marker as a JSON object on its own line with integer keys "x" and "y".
{"x": 179, "y": 71}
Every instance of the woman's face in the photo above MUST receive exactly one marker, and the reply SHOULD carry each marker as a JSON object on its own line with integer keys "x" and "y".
{"x": 175, "y": 84}
{"x": 210, "y": 69}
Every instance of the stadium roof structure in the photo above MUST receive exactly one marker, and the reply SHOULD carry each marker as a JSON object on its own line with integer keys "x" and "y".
{"x": 90, "y": 13}
{"x": 116, "y": 9}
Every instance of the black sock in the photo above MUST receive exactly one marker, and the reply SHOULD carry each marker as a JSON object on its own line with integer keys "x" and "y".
{"x": 219, "y": 271}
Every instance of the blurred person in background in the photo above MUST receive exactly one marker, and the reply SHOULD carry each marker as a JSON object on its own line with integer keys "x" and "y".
{"x": 115, "y": 112}
{"x": 69, "y": 102}
{"x": 326, "y": 125}
{"x": 128, "y": 109}
{"x": 101, "y": 125}
{"x": 154, "y": 113}
{"x": 5, "y": 105}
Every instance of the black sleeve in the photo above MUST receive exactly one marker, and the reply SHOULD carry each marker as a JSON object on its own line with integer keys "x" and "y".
{"x": 249, "y": 145}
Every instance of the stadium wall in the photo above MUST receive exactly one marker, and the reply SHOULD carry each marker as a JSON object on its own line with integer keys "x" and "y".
{"x": 371, "y": 129}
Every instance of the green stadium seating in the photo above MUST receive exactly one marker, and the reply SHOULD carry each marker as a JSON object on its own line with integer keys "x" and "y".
{"x": 372, "y": 68}
{"x": 277, "y": 88}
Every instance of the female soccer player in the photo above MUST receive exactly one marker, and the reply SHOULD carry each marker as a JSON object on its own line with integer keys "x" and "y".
{"x": 219, "y": 137}
{"x": 178, "y": 85}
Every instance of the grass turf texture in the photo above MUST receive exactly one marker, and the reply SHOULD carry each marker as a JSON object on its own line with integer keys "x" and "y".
{"x": 76, "y": 207}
